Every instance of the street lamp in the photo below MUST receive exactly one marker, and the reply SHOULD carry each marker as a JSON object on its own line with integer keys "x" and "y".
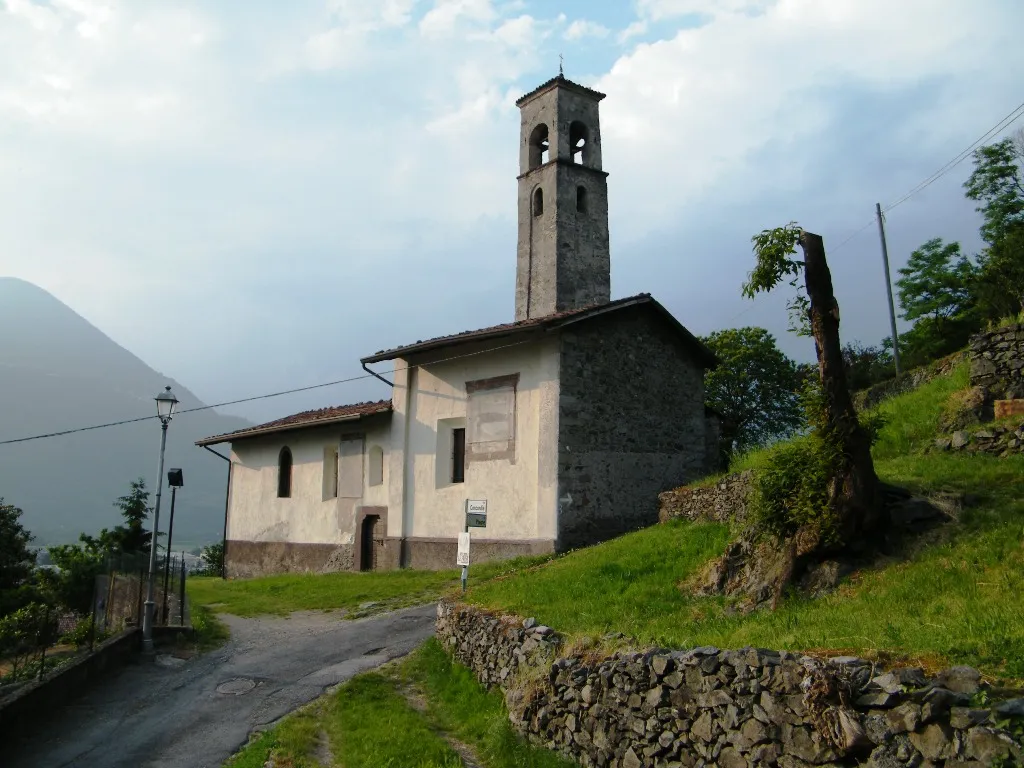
{"x": 165, "y": 403}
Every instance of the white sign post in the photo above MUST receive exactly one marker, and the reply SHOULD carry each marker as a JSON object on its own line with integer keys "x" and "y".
{"x": 462, "y": 558}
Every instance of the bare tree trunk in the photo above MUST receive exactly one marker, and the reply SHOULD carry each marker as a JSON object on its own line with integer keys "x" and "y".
{"x": 853, "y": 493}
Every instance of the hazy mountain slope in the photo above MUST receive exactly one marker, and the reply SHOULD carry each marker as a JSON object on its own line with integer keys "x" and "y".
{"x": 58, "y": 372}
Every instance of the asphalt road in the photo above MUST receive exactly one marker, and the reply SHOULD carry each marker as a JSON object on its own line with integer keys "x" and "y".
{"x": 193, "y": 714}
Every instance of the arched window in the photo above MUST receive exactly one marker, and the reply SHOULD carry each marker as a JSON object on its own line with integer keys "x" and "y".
{"x": 579, "y": 138}
{"x": 581, "y": 199}
{"x": 284, "y": 473}
{"x": 538, "y": 201}
{"x": 538, "y": 146}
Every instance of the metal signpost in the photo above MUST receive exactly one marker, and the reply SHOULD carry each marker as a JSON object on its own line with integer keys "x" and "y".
{"x": 476, "y": 517}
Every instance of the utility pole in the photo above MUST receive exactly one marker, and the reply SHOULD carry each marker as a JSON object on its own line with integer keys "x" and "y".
{"x": 888, "y": 289}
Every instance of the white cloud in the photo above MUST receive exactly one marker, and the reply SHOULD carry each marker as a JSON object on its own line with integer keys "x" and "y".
{"x": 448, "y": 16}
{"x": 175, "y": 135}
{"x": 582, "y": 28}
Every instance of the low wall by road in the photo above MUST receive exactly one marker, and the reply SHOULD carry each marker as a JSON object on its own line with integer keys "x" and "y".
{"x": 35, "y": 702}
{"x": 727, "y": 708}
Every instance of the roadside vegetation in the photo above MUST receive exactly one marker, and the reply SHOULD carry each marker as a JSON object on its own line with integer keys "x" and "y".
{"x": 956, "y": 600}
{"x": 435, "y": 713}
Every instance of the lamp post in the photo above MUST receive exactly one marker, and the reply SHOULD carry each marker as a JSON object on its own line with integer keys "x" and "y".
{"x": 176, "y": 481}
{"x": 165, "y": 403}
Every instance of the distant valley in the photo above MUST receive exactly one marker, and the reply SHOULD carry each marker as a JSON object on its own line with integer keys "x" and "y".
{"x": 58, "y": 372}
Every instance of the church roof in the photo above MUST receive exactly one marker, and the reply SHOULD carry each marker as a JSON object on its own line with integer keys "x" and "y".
{"x": 332, "y": 415}
{"x": 561, "y": 80}
{"x": 551, "y": 323}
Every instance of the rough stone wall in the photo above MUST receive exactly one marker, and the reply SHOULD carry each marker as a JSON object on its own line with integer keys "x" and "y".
{"x": 722, "y": 502}
{"x": 714, "y": 460}
{"x": 631, "y": 424}
{"x": 731, "y": 709}
{"x": 997, "y": 362}
{"x": 999, "y": 440}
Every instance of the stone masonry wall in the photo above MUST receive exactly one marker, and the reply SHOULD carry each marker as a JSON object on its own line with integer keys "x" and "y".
{"x": 631, "y": 424}
{"x": 722, "y": 502}
{"x": 997, "y": 362}
{"x": 731, "y": 709}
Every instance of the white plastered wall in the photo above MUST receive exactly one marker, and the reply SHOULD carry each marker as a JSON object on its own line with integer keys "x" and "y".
{"x": 255, "y": 512}
{"x": 521, "y": 495}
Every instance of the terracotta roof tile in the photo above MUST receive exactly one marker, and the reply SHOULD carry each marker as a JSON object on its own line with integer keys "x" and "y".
{"x": 304, "y": 419}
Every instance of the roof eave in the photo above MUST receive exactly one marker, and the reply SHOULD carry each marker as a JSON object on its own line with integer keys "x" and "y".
{"x": 232, "y": 437}
{"x": 427, "y": 346}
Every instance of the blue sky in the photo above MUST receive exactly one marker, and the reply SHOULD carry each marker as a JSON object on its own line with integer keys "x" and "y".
{"x": 289, "y": 186}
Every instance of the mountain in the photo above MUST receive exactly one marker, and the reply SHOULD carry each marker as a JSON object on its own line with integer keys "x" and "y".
{"x": 58, "y": 372}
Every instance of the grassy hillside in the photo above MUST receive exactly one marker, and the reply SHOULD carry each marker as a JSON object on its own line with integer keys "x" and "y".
{"x": 957, "y": 600}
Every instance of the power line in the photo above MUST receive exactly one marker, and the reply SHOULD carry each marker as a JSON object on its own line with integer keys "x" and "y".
{"x": 254, "y": 397}
{"x": 1014, "y": 115}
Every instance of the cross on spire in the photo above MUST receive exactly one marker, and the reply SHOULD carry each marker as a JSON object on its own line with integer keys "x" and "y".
{"x": 560, "y": 73}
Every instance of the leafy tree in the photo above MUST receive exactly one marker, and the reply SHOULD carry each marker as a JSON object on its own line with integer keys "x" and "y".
{"x": 132, "y": 537}
{"x": 866, "y": 366}
{"x": 999, "y": 288}
{"x": 213, "y": 557}
{"x": 72, "y": 585}
{"x": 17, "y": 560}
{"x": 997, "y": 183}
{"x": 755, "y": 389}
{"x": 935, "y": 292}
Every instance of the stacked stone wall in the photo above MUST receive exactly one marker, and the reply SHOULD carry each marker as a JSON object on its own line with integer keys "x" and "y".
{"x": 722, "y": 502}
{"x": 997, "y": 362}
{"x": 728, "y": 708}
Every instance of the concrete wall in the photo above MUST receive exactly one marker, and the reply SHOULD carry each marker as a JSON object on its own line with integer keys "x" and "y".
{"x": 631, "y": 424}
{"x": 430, "y": 400}
{"x": 311, "y": 530}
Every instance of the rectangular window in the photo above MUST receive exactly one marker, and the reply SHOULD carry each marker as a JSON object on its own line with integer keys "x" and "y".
{"x": 491, "y": 416}
{"x": 330, "y": 473}
{"x": 458, "y": 455}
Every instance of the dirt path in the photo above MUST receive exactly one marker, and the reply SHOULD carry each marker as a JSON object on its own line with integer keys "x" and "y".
{"x": 418, "y": 702}
{"x": 194, "y": 714}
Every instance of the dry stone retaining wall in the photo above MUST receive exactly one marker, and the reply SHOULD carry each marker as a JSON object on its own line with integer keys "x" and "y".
{"x": 731, "y": 709}
{"x": 997, "y": 362}
{"x": 722, "y": 502}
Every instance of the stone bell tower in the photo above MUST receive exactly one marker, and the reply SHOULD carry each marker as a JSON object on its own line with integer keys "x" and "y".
{"x": 563, "y": 259}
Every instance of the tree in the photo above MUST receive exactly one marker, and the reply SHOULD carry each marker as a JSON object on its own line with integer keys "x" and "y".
{"x": 935, "y": 292}
{"x": 17, "y": 560}
{"x": 213, "y": 558}
{"x": 755, "y": 388}
{"x": 997, "y": 183}
{"x": 132, "y": 537}
{"x": 866, "y": 366}
{"x": 851, "y": 495}
{"x": 999, "y": 287}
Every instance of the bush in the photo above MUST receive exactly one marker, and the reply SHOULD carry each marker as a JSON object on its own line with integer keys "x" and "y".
{"x": 790, "y": 489}
{"x": 213, "y": 559}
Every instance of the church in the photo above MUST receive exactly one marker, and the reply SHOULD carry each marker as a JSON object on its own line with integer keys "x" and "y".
{"x": 567, "y": 421}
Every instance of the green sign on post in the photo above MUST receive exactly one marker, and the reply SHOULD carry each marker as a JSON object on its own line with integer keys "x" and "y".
{"x": 476, "y": 513}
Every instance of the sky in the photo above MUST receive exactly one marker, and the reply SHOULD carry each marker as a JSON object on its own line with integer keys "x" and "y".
{"x": 251, "y": 196}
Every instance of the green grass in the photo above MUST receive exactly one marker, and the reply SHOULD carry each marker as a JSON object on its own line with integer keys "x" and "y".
{"x": 369, "y": 723}
{"x": 210, "y": 631}
{"x": 287, "y": 593}
{"x": 459, "y": 705}
{"x": 957, "y": 600}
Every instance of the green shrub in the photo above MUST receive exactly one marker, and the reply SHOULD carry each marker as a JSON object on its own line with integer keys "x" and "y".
{"x": 790, "y": 489}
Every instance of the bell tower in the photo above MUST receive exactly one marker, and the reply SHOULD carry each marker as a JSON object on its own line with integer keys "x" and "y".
{"x": 563, "y": 261}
